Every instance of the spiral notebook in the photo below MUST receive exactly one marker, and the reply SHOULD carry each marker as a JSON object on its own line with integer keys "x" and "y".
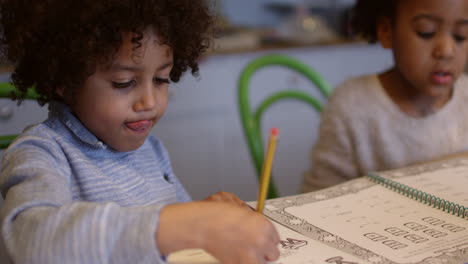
{"x": 441, "y": 188}
{"x": 414, "y": 215}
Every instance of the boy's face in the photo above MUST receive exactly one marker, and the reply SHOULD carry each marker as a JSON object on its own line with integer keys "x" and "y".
{"x": 121, "y": 102}
{"x": 429, "y": 42}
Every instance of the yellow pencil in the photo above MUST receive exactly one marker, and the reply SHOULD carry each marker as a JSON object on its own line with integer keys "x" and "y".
{"x": 266, "y": 169}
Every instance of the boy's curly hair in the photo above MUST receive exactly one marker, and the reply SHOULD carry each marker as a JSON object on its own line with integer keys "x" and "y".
{"x": 59, "y": 43}
{"x": 366, "y": 13}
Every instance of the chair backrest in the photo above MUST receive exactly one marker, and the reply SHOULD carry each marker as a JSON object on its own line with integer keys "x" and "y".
{"x": 7, "y": 90}
{"x": 251, "y": 119}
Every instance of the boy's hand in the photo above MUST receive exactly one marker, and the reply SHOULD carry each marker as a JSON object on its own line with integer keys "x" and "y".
{"x": 228, "y": 232}
{"x": 243, "y": 236}
{"x": 227, "y": 197}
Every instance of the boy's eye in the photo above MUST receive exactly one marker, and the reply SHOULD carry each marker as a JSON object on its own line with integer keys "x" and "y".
{"x": 121, "y": 85}
{"x": 426, "y": 35}
{"x": 159, "y": 81}
{"x": 459, "y": 38}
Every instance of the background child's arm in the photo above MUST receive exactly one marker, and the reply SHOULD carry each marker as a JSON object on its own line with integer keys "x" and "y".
{"x": 333, "y": 157}
{"x": 231, "y": 233}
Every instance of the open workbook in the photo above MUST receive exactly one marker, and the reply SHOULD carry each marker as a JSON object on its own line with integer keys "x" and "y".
{"x": 417, "y": 215}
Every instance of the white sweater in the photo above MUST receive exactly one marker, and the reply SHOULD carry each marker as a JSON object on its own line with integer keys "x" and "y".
{"x": 363, "y": 130}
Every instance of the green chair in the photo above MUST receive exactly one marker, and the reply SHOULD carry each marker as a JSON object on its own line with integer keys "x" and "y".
{"x": 251, "y": 119}
{"x": 7, "y": 90}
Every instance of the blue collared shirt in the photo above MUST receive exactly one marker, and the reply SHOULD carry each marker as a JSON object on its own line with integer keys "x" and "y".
{"x": 69, "y": 198}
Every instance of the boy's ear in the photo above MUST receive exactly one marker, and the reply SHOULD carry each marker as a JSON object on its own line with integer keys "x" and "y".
{"x": 384, "y": 32}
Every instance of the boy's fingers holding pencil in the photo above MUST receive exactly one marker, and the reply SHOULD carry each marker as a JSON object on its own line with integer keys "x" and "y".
{"x": 246, "y": 236}
{"x": 272, "y": 254}
{"x": 271, "y": 244}
{"x": 275, "y": 238}
{"x": 227, "y": 197}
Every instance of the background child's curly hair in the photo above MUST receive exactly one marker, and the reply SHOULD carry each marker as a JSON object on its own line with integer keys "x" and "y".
{"x": 59, "y": 43}
{"x": 365, "y": 16}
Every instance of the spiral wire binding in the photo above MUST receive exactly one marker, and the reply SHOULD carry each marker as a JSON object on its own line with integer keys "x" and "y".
{"x": 420, "y": 196}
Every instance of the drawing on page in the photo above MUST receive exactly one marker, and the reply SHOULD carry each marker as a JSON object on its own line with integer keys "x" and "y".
{"x": 339, "y": 260}
{"x": 291, "y": 243}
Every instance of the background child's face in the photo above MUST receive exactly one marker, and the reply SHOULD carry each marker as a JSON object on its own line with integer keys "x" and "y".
{"x": 120, "y": 103}
{"x": 429, "y": 42}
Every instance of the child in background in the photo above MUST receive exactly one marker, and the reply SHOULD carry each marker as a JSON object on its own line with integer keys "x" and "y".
{"x": 89, "y": 184}
{"x": 413, "y": 112}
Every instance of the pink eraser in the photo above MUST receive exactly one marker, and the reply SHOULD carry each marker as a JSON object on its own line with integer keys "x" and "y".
{"x": 274, "y": 131}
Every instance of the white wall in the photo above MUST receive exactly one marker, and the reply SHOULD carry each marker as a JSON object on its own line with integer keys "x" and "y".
{"x": 202, "y": 129}
{"x": 255, "y": 13}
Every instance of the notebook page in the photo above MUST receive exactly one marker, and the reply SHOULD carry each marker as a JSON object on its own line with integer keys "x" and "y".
{"x": 387, "y": 223}
{"x": 447, "y": 183}
{"x": 294, "y": 247}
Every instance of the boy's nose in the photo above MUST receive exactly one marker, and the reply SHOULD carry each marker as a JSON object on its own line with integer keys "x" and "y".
{"x": 445, "y": 48}
{"x": 146, "y": 99}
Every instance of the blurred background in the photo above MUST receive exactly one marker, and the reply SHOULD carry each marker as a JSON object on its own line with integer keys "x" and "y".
{"x": 245, "y": 24}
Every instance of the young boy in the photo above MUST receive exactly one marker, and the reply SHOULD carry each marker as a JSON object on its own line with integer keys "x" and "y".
{"x": 89, "y": 184}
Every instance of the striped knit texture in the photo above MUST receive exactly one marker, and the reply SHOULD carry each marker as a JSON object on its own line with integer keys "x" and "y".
{"x": 71, "y": 199}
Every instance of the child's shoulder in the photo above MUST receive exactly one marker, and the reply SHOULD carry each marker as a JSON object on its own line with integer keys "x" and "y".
{"x": 36, "y": 135}
{"x": 35, "y": 141}
{"x": 356, "y": 92}
{"x": 363, "y": 84}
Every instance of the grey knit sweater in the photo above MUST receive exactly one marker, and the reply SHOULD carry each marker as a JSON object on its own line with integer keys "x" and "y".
{"x": 69, "y": 198}
{"x": 362, "y": 130}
